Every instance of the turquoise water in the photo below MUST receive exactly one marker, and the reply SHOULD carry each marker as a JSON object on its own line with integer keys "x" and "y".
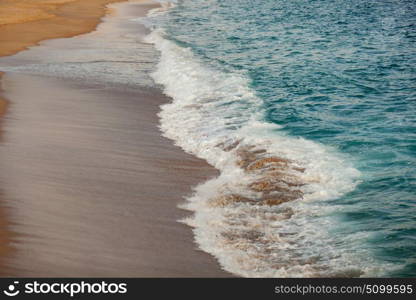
{"x": 338, "y": 73}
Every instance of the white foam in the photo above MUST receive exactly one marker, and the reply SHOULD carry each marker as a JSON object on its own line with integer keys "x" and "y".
{"x": 211, "y": 107}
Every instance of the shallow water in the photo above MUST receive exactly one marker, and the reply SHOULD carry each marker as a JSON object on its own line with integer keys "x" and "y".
{"x": 328, "y": 86}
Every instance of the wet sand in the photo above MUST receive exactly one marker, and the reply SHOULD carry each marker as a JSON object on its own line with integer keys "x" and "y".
{"x": 90, "y": 185}
{"x": 93, "y": 186}
{"x": 24, "y": 23}
{"x": 5, "y": 232}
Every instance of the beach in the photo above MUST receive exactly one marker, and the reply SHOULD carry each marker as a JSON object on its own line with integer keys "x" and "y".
{"x": 212, "y": 138}
{"x": 89, "y": 187}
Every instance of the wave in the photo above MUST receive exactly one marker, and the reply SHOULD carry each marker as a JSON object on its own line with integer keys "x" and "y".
{"x": 267, "y": 213}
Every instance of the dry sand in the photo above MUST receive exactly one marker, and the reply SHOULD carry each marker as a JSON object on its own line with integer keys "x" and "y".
{"x": 24, "y": 23}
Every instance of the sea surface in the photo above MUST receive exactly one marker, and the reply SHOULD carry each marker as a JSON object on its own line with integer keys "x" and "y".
{"x": 308, "y": 108}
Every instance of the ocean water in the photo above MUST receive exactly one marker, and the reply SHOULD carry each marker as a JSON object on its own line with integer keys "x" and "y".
{"x": 307, "y": 108}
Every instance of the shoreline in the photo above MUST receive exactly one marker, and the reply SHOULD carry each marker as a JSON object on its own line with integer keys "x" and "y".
{"x": 96, "y": 194}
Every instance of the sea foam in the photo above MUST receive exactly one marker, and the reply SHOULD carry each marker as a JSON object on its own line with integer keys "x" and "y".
{"x": 267, "y": 213}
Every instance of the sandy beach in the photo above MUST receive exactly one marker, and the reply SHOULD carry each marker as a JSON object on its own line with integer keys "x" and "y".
{"x": 163, "y": 138}
{"x": 89, "y": 187}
